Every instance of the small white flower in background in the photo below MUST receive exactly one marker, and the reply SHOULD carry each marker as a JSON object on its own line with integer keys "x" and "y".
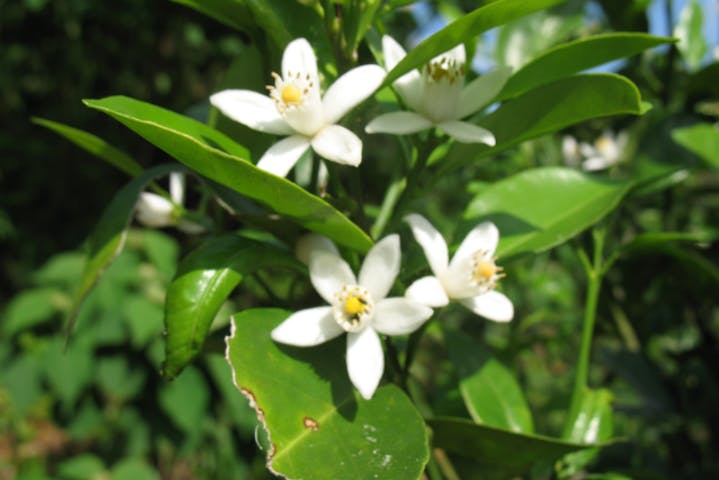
{"x": 439, "y": 96}
{"x": 156, "y": 211}
{"x": 357, "y": 306}
{"x": 606, "y": 151}
{"x": 295, "y": 107}
{"x": 470, "y": 277}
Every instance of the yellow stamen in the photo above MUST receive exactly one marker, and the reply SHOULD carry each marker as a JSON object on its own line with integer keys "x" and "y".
{"x": 291, "y": 94}
{"x": 354, "y": 306}
{"x": 485, "y": 270}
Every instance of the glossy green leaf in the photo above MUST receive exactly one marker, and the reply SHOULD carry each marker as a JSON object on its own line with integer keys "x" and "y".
{"x": 319, "y": 426}
{"x": 491, "y": 393}
{"x": 214, "y": 155}
{"x": 204, "y": 280}
{"x": 502, "y": 453}
{"x": 691, "y": 44}
{"x": 576, "y": 56}
{"x": 232, "y": 13}
{"x": 543, "y": 207}
{"x": 465, "y": 29}
{"x": 701, "y": 139}
{"x": 591, "y": 423}
{"x": 108, "y": 238}
{"x": 550, "y": 108}
{"x": 95, "y": 145}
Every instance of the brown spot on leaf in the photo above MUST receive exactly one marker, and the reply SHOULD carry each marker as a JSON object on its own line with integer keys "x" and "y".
{"x": 311, "y": 423}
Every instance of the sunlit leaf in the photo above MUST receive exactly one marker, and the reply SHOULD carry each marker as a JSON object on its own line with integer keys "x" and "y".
{"x": 204, "y": 280}
{"x": 576, "y": 56}
{"x": 592, "y": 422}
{"x": 216, "y": 156}
{"x": 543, "y": 207}
{"x": 319, "y": 426}
{"x": 490, "y": 391}
{"x": 701, "y": 139}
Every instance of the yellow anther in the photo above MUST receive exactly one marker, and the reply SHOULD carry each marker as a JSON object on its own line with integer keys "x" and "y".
{"x": 354, "y": 306}
{"x": 485, "y": 270}
{"x": 291, "y": 94}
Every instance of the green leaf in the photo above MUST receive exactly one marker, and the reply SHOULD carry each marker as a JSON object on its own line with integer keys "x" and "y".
{"x": 503, "y": 454}
{"x": 540, "y": 208}
{"x": 108, "y": 238}
{"x": 701, "y": 139}
{"x": 185, "y": 400}
{"x": 68, "y": 372}
{"x": 204, "y": 280}
{"x": 95, "y": 145}
{"x": 550, "y": 108}
{"x": 465, "y": 29}
{"x": 30, "y": 308}
{"x": 232, "y": 13}
{"x": 214, "y": 155}
{"x": 591, "y": 423}
{"x": 575, "y": 56}
{"x": 133, "y": 469}
{"x": 490, "y": 391}
{"x": 81, "y": 467}
{"x": 319, "y": 426}
{"x": 691, "y": 44}
{"x": 116, "y": 379}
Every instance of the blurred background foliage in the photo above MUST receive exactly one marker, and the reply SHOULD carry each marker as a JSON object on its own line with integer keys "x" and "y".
{"x": 101, "y": 410}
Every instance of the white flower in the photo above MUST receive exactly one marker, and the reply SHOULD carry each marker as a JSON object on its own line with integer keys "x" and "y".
{"x": 606, "y": 151}
{"x": 356, "y": 306}
{"x": 438, "y": 96}
{"x": 470, "y": 277}
{"x": 295, "y": 108}
{"x": 156, "y": 211}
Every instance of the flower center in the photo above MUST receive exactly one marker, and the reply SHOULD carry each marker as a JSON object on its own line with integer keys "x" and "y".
{"x": 485, "y": 273}
{"x": 353, "y": 309}
{"x": 290, "y": 91}
{"x": 445, "y": 69}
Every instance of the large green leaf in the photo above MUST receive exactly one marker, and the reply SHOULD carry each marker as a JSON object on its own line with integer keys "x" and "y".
{"x": 204, "y": 280}
{"x": 95, "y": 145}
{"x": 543, "y": 207}
{"x": 573, "y": 57}
{"x": 550, "y": 108}
{"x": 318, "y": 425}
{"x": 701, "y": 139}
{"x": 490, "y": 391}
{"x": 691, "y": 44}
{"x": 214, "y": 155}
{"x": 590, "y": 423}
{"x": 465, "y": 29}
{"x": 108, "y": 238}
{"x": 501, "y": 453}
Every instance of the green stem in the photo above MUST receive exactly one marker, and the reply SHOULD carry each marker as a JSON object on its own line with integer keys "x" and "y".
{"x": 390, "y": 201}
{"x": 594, "y": 282}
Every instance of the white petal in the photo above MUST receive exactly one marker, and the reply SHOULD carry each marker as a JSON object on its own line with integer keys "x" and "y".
{"x": 338, "y": 144}
{"x": 251, "y": 109}
{"x": 329, "y": 273}
{"x": 392, "y": 51}
{"x": 467, "y": 133}
{"x": 365, "y": 361}
{"x": 399, "y": 316}
{"x": 154, "y": 210}
{"x": 457, "y": 54}
{"x": 594, "y": 164}
{"x": 484, "y": 237}
{"x": 431, "y": 241}
{"x": 380, "y": 267}
{"x": 409, "y": 85}
{"x": 587, "y": 150}
{"x": 308, "y": 327}
{"x": 283, "y": 155}
{"x": 480, "y": 91}
{"x": 398, "y": 123}
{"x": 492, "y": 305}
{"x": 177, "y": 187}
{"x": 312, "y": 243}
{"x": 299, "y": 57}
{"x": 349, "y": 90}
{"x": 427, "y": 291}
{"x": 190, "y": 227}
